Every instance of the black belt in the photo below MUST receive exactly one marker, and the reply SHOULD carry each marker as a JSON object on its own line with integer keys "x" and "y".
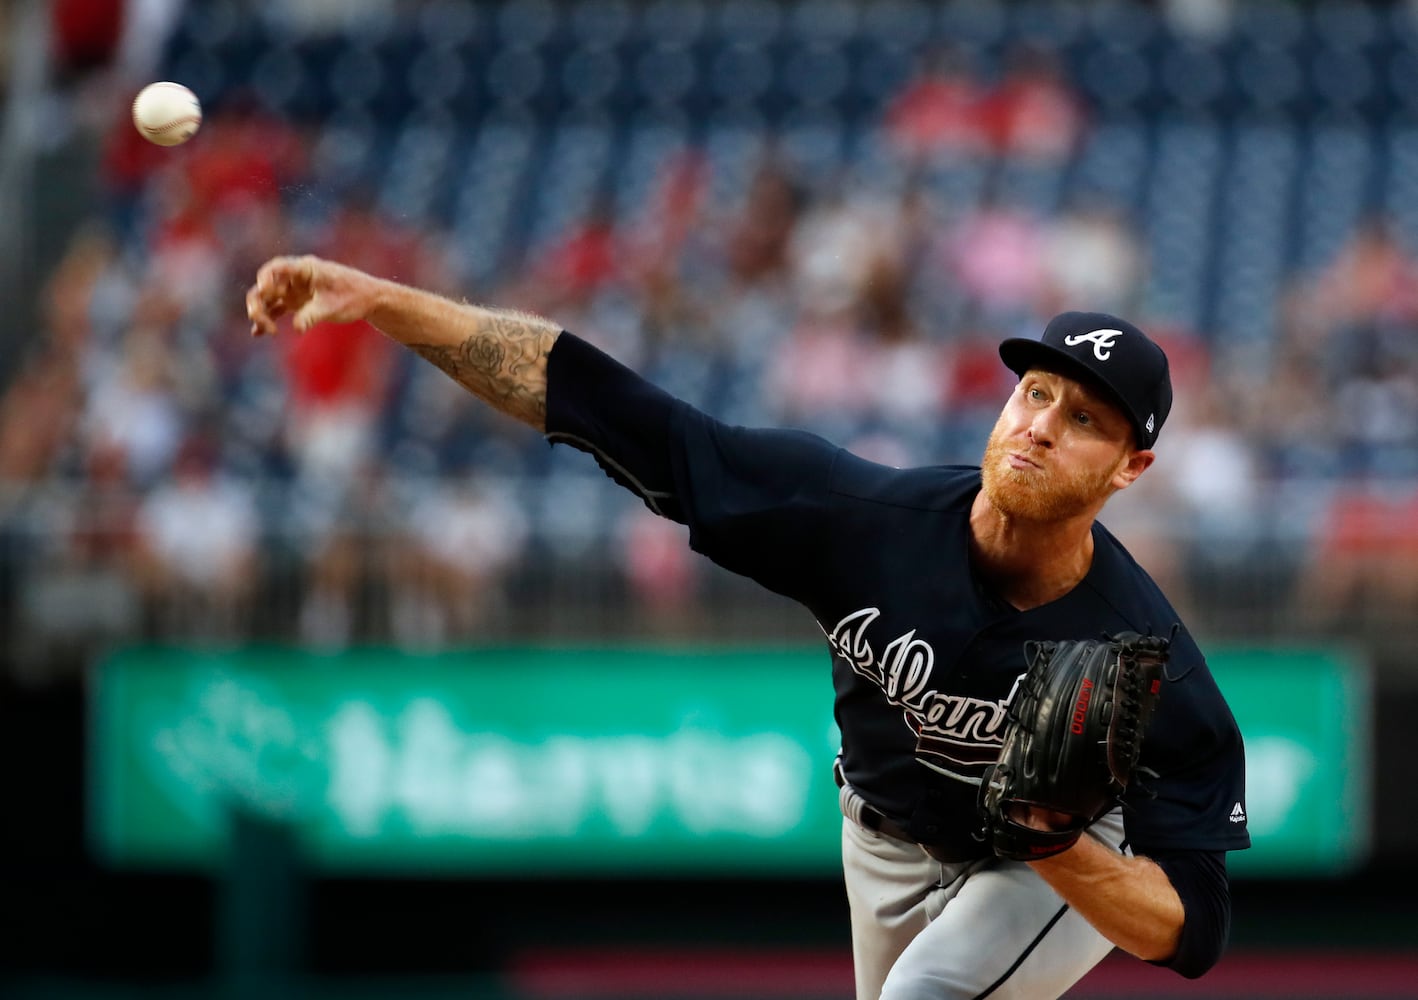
{"x": 877, "y": 821}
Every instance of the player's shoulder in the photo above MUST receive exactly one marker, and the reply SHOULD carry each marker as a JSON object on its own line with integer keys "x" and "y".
{"x": 927, "y": 488}
{"x": 1120, "y": 571}
{"x": 1136, "y": 596}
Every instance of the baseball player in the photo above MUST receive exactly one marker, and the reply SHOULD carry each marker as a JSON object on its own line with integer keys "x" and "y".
{"x": 929, "y": 584}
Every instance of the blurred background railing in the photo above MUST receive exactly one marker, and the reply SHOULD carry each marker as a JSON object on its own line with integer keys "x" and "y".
{"x": 823, "y": 214}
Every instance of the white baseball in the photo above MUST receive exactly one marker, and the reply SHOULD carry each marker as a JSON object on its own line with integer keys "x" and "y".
{"x": 167, "y": 113}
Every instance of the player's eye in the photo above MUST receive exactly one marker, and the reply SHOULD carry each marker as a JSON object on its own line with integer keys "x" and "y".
{"x": 1083, "y": 418}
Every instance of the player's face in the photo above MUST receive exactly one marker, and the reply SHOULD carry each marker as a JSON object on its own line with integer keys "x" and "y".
{"x": 1058, "y": 450}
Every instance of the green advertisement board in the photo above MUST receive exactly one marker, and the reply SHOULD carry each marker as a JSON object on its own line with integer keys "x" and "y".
{"x": 1306, "y": 716}
{"x": 559, "y": 760}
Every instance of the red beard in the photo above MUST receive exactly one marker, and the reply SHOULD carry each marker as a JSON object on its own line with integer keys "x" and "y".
{"x": 1047, "y": 493}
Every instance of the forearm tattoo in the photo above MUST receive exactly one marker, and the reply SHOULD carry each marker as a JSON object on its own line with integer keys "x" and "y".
{"x": 503, "y": 362}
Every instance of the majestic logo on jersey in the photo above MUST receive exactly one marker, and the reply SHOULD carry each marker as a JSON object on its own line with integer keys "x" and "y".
{"x": 1103, "y": 341}
{"x": 954, "y": 734}
{"x": 1238, "y": 814}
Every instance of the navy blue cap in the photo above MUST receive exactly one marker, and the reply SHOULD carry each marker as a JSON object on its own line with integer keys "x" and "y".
{"x": 1108, "y": 352}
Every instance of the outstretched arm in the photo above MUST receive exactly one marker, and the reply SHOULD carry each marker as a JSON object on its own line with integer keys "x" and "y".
{"x": 498, "y": 355}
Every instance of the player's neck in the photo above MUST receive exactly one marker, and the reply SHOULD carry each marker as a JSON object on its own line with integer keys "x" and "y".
{"x": 1029, "y": 563}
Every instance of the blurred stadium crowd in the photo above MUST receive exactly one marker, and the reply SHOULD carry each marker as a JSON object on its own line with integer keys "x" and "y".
{"x": 820, "y": 214}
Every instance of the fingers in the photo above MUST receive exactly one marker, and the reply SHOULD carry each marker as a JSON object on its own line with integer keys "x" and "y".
{"x": 308, "y": 315}
{"x": 262, "y": 322}
{"x": 283, "y": 285}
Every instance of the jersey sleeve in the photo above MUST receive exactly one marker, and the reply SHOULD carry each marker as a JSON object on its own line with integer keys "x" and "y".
{"x": 754, "y": 500}
{"x": 1192, "y": 785}
{"x": 1201, "y": 883}
{"x": 599, "y": 406}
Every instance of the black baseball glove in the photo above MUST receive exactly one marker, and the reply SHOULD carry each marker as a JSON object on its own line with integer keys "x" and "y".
{"x": 1075, "y": 730}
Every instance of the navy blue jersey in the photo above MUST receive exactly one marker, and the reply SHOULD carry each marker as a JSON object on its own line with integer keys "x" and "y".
{"x": 924, "y": 657}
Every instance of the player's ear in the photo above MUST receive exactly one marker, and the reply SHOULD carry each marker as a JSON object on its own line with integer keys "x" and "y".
{"x": 1134, "y": 465}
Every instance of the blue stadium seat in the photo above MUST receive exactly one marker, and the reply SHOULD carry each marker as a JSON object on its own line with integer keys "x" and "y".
{"x": 571, "y": 508}
{"x": 591, "y": 75}
{"x": 977, "y": 26}
{"x": 526, "y": 23}
{"x": 1267, "y": 75}
{"x": 678, "y": 23}
{"x": 488, "y": 197}
{"x": 1400, "y": 182}
{"x": 1117, "y": 79}
{"x": 346, "y": 154}
{"x": 416, "y": 184}
{"x": 1254, "y": 235}
{"x": 880, "y": 71}
{"x": 1342, "y": 77}
{"x": 1035, "y": 185}
{"x": 437, "y": 79}
{"x": 214, "y": 23}
{"x": 664, "y": 74}
{"x": 897, "y": 24}
{"x": 1121, "y": 24}
{"x": 1193, "y": 75}
{"x": 747, "y": 22}
{"x": 449, "y": 23}
{"x": 1054, "y": 24}
{"x": 814, "y": 145}
{"x": 647, "y": 150}
{"x": 1114, "y": 160}
{"x": 573, "y": 172}
{"x": 824, "y": 22}
{"x": 1179, "y": 220}
{"x": 1401, "y": 71}
{"x": 600, "y": 23}
{"x": 515, "y": 74}
{"x": 741, "y": 75}
{"x": 817, "y": 74}
{"x": 357, "y": 76}
{"x": 278, "y": 78}
{"x": 1272, "y": 22}
{"x": 735, "y": 150}
{"x": 1348, "y": 26}
{"x": 1334, "y": 191}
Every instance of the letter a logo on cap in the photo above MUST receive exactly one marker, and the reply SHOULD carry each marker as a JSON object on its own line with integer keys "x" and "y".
{"x": 1103, "y": 341}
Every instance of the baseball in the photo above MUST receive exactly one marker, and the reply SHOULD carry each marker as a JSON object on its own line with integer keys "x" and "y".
{"x": 167, "y": 113}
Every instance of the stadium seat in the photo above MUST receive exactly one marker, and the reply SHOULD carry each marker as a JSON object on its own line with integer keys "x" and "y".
{"x": 526, "y": 22}
{"x": 675, "y": 23}
{"x": 1334, "y": 191}
{"x": 747, "y": 22}
{"x": 488, "y": 196}
{"x": 600, "y": 23}
{"x": 1179, "y": 219}
{"x": 824, "y": 22}
{"x": 444, "y": 24}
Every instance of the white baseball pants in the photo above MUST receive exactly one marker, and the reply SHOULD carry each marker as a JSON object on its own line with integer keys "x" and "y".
{"x": 922, "y": 930}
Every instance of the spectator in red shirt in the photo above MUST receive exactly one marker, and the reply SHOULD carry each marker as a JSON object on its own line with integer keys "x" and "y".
{"x": 1034, "y": 113}
{"x": 941, "y": 110}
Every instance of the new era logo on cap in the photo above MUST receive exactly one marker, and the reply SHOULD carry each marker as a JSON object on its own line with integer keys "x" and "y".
{"x": 1109, "y": 352}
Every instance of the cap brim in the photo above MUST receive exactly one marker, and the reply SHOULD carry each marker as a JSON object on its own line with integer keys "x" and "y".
{"x": 1021, "y": 354}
